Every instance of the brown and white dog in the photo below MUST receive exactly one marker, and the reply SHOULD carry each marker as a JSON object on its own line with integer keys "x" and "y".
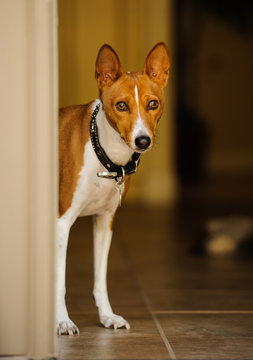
{"x": 126, "y": 117}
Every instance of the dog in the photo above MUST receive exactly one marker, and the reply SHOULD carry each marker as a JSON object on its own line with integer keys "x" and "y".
{"x": 100, "y": 145}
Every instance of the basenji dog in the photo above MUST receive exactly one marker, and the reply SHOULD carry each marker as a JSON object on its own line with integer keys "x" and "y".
{"x": 100, "y": 145}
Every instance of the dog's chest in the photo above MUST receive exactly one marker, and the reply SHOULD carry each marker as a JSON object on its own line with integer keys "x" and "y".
{"x": 102, "y": 196}
{"x": 93, "y": 195}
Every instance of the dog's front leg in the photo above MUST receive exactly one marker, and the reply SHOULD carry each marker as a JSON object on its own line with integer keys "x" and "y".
{"x": 102, "y": 240}
{"x": 64, "y": 325}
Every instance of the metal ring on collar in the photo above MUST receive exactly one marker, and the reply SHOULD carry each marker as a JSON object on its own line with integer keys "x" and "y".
{"x": 120, "y": 179}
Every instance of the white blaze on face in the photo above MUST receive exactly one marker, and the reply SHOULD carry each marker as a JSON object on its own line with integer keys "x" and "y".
{"x": 139, "y": 128}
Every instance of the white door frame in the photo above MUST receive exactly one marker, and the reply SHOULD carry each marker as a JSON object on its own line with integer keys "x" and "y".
{"x": 44, "y": 185}
{"x": 28, "y": 181}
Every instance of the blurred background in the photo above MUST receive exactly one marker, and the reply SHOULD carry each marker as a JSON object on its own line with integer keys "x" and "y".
{"x": 214, "y": 97}
{"x": 204, "y": 144}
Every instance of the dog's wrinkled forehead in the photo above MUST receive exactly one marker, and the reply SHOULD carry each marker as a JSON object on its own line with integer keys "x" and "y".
{"x": 126, "y": 85}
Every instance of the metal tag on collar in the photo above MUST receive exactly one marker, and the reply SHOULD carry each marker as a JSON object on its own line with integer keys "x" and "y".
{"x": 107, "y": 175}
{"x": 120, "y": 184}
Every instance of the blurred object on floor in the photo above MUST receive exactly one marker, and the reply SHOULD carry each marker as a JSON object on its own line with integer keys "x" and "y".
{"x": 231, "y": 235}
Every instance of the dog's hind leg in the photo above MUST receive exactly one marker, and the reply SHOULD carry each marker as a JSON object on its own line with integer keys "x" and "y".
{"x": 64, "y": 325}
{"x": 102, "y": 240}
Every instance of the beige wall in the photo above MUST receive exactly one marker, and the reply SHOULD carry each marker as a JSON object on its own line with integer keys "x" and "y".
{"x": 132, "y": 27}
{"x": 28, "y": 186}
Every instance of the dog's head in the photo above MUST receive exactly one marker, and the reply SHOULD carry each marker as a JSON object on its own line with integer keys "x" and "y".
{"x": 133, "y": 102}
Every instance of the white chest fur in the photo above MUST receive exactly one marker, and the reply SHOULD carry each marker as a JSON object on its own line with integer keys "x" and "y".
{"x": 94, "y": 195}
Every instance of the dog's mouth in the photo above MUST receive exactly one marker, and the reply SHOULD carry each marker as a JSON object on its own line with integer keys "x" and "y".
{"x": 142, "y": 151}
{"x": 140, "y": 144}
{"x": 136, "y": 148}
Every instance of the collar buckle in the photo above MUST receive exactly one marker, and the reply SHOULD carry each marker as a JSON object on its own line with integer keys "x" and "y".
{"x": 107, "y": 174}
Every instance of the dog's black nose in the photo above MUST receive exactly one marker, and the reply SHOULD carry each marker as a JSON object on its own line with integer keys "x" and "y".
{"x": 142, "y": 142}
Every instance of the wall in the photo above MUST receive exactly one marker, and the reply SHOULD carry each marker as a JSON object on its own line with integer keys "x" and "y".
{"x": 132, "y": 27}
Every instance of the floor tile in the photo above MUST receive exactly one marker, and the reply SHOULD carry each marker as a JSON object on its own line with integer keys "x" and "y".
{"x": 164, "y": 299}
{"x": 163, "y": 277}
{"x": 150, "y": 255}
{"x": 209, "y": 336}
{"x": 142, "y": 341}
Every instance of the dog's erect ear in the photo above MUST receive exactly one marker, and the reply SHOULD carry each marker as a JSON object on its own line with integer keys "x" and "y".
{"x": 108, "y": 68}
{"x": 157, "y": 64}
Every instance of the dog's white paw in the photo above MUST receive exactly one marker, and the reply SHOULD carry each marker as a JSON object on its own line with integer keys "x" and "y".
{"x": 114, "y": 321}
{"x": 67, "y": 327}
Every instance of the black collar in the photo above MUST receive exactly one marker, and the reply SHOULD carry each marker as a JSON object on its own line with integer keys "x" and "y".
{"x": 115, "y": 171}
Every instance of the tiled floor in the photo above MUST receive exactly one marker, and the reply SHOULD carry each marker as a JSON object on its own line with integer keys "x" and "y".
{"x": 179, "y": 306}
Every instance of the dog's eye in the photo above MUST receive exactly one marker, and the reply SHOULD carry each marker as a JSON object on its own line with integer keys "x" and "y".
{"x": 121, "y": 106}
{"x": 153, "y": 104}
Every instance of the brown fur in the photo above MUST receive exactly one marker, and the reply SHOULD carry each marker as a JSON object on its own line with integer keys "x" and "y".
{"x": 124, "y": 90}
{"x": 116, "y": 86}
{"x": 157, "y": 65}
{"x": 73, "y": 135}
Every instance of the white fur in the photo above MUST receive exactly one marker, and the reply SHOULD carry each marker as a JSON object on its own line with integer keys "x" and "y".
{"x": 139, "y": 128}
{"x": 102, "y": 241}
{"x": 99, "y": 197}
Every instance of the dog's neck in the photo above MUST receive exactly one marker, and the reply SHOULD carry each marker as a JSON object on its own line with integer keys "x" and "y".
{"x": 116, "y": 148}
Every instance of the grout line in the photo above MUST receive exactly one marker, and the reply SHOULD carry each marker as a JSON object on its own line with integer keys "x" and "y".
{"x": 134, "y": 273}
{"x": 157, "y": 323}
{"x": 211, "y": 312}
